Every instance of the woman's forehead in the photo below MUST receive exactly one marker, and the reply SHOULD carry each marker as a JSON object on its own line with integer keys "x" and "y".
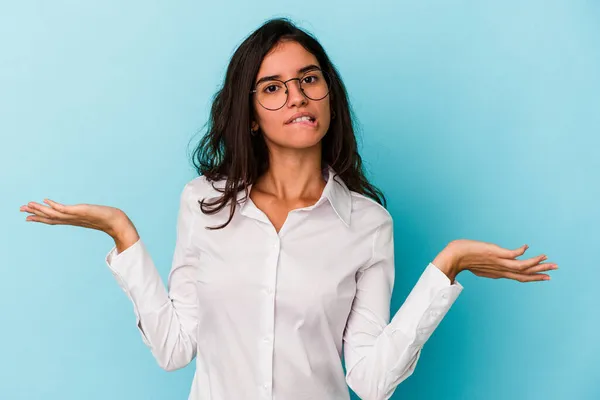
{"x": 285, "y": 59}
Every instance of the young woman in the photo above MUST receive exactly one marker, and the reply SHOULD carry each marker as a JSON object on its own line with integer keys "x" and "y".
{"x": 284, "y": 261}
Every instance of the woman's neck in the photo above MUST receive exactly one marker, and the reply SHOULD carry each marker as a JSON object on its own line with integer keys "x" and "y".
{"x": 293, "y": 177}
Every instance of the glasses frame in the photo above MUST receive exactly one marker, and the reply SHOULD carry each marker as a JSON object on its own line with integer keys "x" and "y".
{"x": 287, "y": 90}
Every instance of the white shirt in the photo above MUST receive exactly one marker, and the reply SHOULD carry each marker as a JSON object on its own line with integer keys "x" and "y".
{"x": 265, "y": 314}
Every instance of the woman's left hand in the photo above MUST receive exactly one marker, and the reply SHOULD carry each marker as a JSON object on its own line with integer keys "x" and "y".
{"x": 491, "y": 261}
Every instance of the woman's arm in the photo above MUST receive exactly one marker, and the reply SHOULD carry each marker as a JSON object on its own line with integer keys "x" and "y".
{"x": 380, "y": 354}
{"x": 167, "y": 320}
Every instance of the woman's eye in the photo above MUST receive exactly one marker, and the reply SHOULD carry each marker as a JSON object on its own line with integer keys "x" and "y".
{"x": 271, "y": 89}
{"x": 310, "y": 79}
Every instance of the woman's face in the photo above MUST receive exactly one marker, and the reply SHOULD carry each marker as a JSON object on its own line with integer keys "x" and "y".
{"x": 286, "y": 60}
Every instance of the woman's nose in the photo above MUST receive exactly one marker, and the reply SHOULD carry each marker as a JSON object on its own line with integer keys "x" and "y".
{"x": 295, "y": 95}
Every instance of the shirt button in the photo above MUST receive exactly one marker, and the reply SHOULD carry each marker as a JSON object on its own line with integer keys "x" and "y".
{"x": 269, "y": 291}
{"x": 266, "y": 339}
{"x": 421, "y": 332}
{"x": 435, "y": 313}
{"x": 445, "y": 295}
{"x": 266, "y": 386}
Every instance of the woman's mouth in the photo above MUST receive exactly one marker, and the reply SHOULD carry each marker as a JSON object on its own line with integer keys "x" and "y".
{"x": 305, "y": 120}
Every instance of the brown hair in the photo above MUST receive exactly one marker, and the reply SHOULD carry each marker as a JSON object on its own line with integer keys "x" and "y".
{"x": 228, "y": 150}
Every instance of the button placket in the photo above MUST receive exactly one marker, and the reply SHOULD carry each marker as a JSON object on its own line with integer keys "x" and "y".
{"x": 267, "y": 390}
{"x": 269, "y": 323}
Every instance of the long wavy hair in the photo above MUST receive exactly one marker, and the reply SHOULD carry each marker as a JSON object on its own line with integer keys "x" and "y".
{"x": 228, "y": 150}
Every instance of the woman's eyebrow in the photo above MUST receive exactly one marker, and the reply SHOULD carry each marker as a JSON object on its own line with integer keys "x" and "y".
{"x": 302, "y": 70}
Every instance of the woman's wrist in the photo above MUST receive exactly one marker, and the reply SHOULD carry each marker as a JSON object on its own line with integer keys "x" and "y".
{"x": 447, "y": 262}
{"x": 126, "y": 239}
{"x": 123, "y": 232}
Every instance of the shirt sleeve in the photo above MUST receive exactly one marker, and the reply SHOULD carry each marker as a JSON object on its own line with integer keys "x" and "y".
{"x": 380, "y": 354}
{"x": 167, "y": 320}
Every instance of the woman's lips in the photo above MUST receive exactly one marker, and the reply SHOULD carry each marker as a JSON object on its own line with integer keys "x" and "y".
{"x": 312, "y": 124}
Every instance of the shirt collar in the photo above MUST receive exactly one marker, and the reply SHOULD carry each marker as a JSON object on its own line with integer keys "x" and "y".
{"x": 338, "y": 195}
{"x": 335, "y": 191}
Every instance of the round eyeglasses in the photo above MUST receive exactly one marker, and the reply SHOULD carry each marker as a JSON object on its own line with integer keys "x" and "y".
{"x": 272, "y": 94}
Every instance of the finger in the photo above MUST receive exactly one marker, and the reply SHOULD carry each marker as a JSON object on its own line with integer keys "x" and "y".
{"x": 69, "y": 210}
{"x": 513, "y": 276}
{"x": 57, "y": 206}
{"x": 52, "y": 221}
{"x": 508, "y": 253}
{"x": 521, "y": 265}
{"x": 502, "y": 266}
{"x": 49, "y": 212}
{"x": 48, "y": 221}
{"x": 34, "y": 209}
{"x": 525, "y": 277}
{"x": 540, "y": 268}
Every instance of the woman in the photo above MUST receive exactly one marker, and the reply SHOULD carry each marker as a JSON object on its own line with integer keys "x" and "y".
{"x": 284, "y": 249}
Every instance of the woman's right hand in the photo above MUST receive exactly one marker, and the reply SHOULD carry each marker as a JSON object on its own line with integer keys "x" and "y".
{"x": 107, "y": 219}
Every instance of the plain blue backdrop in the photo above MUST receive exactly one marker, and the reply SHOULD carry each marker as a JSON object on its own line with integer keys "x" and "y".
{"x": 478, "y": 119}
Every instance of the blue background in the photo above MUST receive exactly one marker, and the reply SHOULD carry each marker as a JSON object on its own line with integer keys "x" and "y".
{"x": 478, "y": 119}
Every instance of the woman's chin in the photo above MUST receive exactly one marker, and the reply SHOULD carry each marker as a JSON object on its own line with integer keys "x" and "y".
{"x": 301, "y": 139}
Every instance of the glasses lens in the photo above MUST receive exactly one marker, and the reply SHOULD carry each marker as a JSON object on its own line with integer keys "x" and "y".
{"x": 272, "y": 94}
{"x": 314, "y": 85}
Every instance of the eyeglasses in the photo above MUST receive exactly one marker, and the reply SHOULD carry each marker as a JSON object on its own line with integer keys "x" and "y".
{"x": 273, "y": 94}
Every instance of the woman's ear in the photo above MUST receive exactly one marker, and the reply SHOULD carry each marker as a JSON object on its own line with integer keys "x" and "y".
{"x": 254, "y": 126}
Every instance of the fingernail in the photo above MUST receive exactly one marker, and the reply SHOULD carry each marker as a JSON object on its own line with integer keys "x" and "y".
{"x": 546, "y": 278}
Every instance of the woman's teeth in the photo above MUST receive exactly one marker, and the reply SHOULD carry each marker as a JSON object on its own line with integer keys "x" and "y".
{"x": 309, "y": 119}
